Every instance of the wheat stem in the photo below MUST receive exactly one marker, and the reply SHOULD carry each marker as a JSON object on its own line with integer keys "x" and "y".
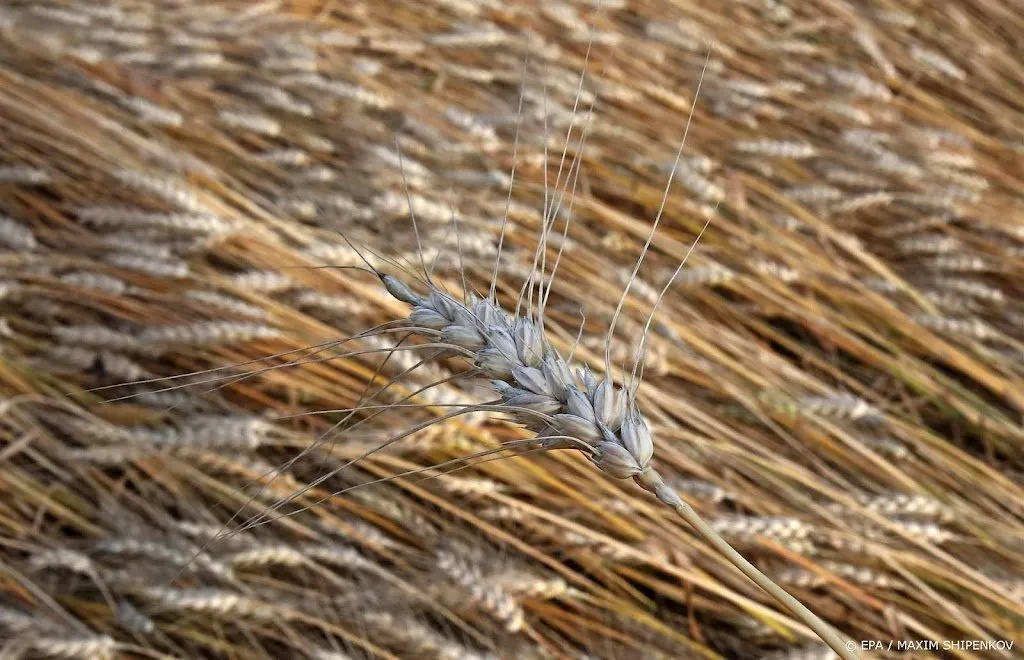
{"x": 652, "y": 481}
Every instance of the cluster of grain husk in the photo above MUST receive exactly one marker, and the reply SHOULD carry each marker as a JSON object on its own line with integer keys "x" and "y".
{"x": 836, "y": 382}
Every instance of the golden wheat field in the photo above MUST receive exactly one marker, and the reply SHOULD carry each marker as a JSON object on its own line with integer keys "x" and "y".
{"x": 220, "y": 439}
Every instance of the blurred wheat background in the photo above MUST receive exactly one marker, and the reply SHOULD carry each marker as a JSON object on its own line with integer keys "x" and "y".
{"x": 835, "y": 381}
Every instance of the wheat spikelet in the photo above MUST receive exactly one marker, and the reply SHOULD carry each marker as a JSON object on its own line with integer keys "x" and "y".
{"x": 97, "y": 281}
{"x": 207, "y": 333}
{"x": 87, "y": 647}
{"x": 114, "y": 364}
{"x": 974, "y": 328}
{"x": 926, "y": 531}
{"x": 152, "y": 113}
{"x": 264, "y": 281}
{"x": 864, "y": 201}
{"x": 841, "y": 406}
{"x": 954, "y": 303}
{"x": 24, "y": 175}
{"x": 133, "y": 619}
{"x": 859, "y": 83}
{"x": 162, "y": 552}
{"x": 978, "y": 290}
{"x": 776, "y": 148}
{"x": 936, "y": 62}
{"x": 418, "y": 638}
{"x": 166, "y": 188}
{"x": 216, "y": 602}
{"x": 97, "y": 336}
{"x": 489, "y": 598}
{"x": 63, "y": 558}
{"x": 177, "y": 222}
{"x": 16, "y": 235}
{"x": 240, "y": 432}
{"x": 775, "y": 527}
{"x": 911, "y": 506}
{"x": 226, "y": 304}
{"x": 856, "y": 574}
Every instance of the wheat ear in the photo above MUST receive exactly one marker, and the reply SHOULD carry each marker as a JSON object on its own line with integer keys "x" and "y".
{"x": 570, "y": 409}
